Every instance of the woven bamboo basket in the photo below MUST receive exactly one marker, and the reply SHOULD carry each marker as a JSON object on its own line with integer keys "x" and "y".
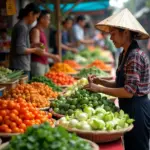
{"x": 100, "y": 136}
{"x": 93, "y": 145}
{"x": 57, "y": 116}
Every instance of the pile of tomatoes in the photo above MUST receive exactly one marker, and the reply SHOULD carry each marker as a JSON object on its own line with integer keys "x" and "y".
{"x": 60, "y": 78}
{"x": 44, "y": 90}
{"x": 29, "y": 93}
{"x": 17, "y": 115}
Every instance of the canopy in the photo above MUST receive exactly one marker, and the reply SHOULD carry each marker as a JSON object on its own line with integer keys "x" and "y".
{"x": 84, "y": 6}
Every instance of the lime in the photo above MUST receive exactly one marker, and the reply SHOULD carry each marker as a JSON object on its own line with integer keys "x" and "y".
{"x": 70, "y": 112}
{"x": 56, "y": 110}
{"x": 72, "y": 107}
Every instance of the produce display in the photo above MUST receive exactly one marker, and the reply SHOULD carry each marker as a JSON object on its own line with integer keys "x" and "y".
{"x": 75, "y": 87}
{"x": 29, "y": 93}
{"x": 60, "y": 78}
{"x": 96, "y": 119}
{"x": 100, "y": 64}
{"x": 46, "y": 81}
{"x": 68, "y": 55}
{"x": 17, "y": 115}
{"x": 72, "y": 64}
{"x": 44, "y": 90}
{"x": 62, "y": 67}
{"x": 7, "y": 75}
{"x": 44, "y": 137}
{"x": 91, "y": 71}
{"x": 80, "y": 99}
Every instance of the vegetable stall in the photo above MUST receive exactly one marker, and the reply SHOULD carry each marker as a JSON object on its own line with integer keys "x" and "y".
{"x": 43, "y": 113}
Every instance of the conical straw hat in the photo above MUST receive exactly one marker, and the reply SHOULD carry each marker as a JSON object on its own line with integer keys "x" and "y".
{"x": 123, "y": 20}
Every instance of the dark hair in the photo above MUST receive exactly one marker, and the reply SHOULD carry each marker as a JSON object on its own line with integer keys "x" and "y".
{"x": 67, "y": 19}
{"x": 32, "y": 7}
{"x": 80, "y": 18}
{"x": 43, "y": 13}
{"x": 132, "y": 33}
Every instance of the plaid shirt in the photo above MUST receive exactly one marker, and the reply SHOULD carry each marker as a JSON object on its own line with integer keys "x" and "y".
{"x": 137, "y": 72}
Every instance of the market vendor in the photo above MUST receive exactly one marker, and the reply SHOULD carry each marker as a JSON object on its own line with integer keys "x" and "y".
{"x": 20, "y": 52}
{"x": 66, "y": 45}
{"x": 40, "y": 64}
{"x": 78, "y": 35}
{"x": 132, "y": 83}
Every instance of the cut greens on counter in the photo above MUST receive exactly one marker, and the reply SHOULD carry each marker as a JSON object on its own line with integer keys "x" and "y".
{"x": 91, "y": 71}
{"x": 96, "y": 119}
{"x": 43, "y": 137}
{"x": 79, "y": 100}
{"x": 47, "y": 82}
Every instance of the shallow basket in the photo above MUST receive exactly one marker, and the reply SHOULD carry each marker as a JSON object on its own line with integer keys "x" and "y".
{"x": 23, "y": 79}
{"x": 100, "y": 136}
{"x": 93, "y": 145}
{"x": 57, "y": 116}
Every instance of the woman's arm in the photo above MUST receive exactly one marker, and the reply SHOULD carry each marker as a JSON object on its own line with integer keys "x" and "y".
{"x": 116, "y": 92}
{"x": 35, "y": 40}
{"x": 101, "y": 81}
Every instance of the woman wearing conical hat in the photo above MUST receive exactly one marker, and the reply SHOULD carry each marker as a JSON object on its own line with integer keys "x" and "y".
{"x": 132, "y": 83}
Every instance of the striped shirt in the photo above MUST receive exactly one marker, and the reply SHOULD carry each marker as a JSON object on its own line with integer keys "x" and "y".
{"x": 137, "y": 72}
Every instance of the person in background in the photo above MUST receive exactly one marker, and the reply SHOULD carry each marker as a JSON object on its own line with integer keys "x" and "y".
{"x": 20, "y": 53}
{"x": 4, "y": 40}
{"x": 40, "y": 64}
{"x": 78, "y": 33}
{"x": 66, "y": 44}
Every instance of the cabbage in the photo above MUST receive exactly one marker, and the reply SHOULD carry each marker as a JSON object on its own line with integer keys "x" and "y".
{"x": 73, "y": 123}
{"x": 121, "y": 123}
{"x": 64, "y": 122}
{"x": 97, "y": 124}
{"x": 82, "y": 116}
{"x": 108, "y": 116}
{"x": 89, "y": 110}
{"x": 100, "y": 110}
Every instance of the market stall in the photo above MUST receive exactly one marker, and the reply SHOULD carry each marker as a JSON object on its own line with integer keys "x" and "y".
{"x": 59, "y": 94}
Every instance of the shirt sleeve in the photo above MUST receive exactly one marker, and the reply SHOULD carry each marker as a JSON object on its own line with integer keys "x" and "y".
{"x": 21, "y": 40}
{"x": 133, "y": 70}
{"x": 77, "y": 33}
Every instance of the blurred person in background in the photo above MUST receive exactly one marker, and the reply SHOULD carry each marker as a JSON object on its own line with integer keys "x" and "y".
{"x": 78, "y": 34}
{"x": 40, "y": 64}
{"x": 20, "y": 53}
{"x": 5, "y": 40}
{"x": 66, "y": 44}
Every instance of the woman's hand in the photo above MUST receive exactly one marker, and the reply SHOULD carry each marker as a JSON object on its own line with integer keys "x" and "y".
{"x": 95, "y": 79}
{"x": 74, "y": 50}
{"x": 93, "y": 87}
{"x": 56, "y": 58}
